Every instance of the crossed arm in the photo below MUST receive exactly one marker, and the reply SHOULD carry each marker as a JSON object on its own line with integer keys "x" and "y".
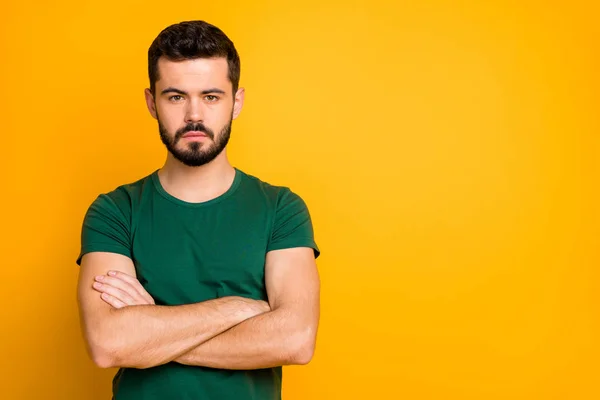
{"x": 123, "y": 328}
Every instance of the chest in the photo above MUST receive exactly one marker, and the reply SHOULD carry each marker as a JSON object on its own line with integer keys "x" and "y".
{"x": 195, "y": 256}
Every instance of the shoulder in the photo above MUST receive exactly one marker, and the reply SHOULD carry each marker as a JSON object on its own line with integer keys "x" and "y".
{"x": 291, "y": 223}
{"x": 107, "y": 225}
{"x": 277, "y": 195}
{"x": 122, "y": 198}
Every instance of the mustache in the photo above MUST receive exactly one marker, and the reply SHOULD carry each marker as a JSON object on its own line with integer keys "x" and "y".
{"x": 198, "y": 127}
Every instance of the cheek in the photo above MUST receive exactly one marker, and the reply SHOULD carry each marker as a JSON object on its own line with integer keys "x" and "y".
{"x": 214, "y": 120}
{"x": 169, "y": 118}
{"x": 223, "y": 116}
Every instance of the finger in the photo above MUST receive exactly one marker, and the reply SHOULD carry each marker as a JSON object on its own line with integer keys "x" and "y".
{"x": 128, "y": 290}
{"x": 113, "y": 301}
{"x": 133, "y": 282}
{"x": 134, "y": 288}
{"x": 114, "y": 292}
{"x": 121, "y": 285}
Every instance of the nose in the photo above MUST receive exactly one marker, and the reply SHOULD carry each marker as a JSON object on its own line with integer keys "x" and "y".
{"x": 194, "y": 111}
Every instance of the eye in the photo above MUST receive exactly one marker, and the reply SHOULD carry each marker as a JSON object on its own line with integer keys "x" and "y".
{"x": 211, "y": 98}
{"x": 176, "y": 98}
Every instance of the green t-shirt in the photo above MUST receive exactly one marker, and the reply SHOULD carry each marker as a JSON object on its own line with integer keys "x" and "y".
{"x": 191, "y": 252}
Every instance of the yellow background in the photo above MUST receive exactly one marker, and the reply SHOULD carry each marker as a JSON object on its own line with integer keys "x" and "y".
{"x": 448, "y": 152}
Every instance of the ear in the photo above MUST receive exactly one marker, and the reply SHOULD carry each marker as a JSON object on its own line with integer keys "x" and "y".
{"x": 238, "y": 102}
{"x": 150, "y": 103}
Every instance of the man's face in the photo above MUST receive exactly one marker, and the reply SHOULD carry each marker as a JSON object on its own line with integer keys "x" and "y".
{"x": 194, "y": 106}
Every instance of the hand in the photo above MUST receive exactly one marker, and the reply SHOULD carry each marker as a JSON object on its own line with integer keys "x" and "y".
{"x": 255, "y": 307}
{"x": 120, "y": 289}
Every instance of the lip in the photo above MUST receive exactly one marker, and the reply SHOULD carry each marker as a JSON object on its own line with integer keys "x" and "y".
{"x": 194, "y": 134}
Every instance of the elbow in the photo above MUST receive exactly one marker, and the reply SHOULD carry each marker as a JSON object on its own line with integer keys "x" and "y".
{"x": 304, "y": 350}
{"x": 106, "y": 356}
{"x": 102, "y": 355}
{"x": 304, "y": 356}
{"x": 103, "y": 361}
{"x": 109, "y": 355}
{"x": 104, "y": 351}
{"x": 100, "y": 346}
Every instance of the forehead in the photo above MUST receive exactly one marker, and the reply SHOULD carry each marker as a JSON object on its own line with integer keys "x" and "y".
{"x": 197, "y": 73}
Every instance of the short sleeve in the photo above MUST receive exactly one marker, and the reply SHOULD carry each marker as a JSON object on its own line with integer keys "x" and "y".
{"x": 105, "y": 228}
{"x": 292, "y": 226}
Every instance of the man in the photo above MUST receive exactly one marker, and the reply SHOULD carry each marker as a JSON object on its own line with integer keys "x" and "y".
{"x": 197, "y": 281}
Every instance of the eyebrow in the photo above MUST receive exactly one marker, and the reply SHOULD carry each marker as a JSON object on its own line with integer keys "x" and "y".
{"x": 179, "y": 91}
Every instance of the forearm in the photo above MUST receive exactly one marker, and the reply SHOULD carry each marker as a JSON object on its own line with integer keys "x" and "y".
{"x": 267, "y": 340}
{"x": 148, "y": 335}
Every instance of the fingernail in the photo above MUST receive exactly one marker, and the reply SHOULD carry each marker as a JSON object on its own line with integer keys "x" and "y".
{"x": 97, "y": 285}
{"x": 99, "y": 277}
{"x": 112, "y": 273}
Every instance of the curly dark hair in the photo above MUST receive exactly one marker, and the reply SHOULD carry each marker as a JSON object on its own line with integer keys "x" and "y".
{"x": 188, "y": 40}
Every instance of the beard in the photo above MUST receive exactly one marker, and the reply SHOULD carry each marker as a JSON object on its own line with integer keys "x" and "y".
{"x": 196, "y": 154}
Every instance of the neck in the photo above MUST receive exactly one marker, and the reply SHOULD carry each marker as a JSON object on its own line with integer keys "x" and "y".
{"x": 196, "y": 184}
